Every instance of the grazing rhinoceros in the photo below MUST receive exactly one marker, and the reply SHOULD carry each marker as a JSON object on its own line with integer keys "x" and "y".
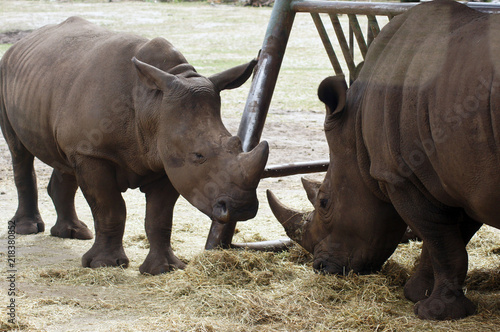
{"x": 111, "y": 111}
{"x": 415, "y": 141}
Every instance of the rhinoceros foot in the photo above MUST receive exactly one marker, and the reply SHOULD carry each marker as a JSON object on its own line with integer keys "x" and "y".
{"x": 100, "y": 256}
{"x": 28, "y": 225}
{"x": 157, "y": 263}
{"x": 71, "y": 230}
{"x": 419, "y": 287}
{"x": 445, "y": 307}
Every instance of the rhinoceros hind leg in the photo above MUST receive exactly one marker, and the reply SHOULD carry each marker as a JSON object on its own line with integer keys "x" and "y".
{"x": 62, "y": 188}
{"x": 27, "y": 218}
{"x": 160, "y": 200}
{"x": 76, "y": 230}
{"x": 97, "y": 181}
{"x": 28, "y": 225}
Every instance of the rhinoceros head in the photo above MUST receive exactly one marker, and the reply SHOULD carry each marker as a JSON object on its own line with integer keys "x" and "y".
{"x": 204, "y": 163}
{"x": 350, "y": 228}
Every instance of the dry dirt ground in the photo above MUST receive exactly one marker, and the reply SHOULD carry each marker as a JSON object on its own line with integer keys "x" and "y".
{"x": 219, "y": 291}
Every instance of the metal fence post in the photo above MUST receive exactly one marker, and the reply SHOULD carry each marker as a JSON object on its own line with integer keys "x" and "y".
{"x": 262, "y": 88}
{"x": 259, "y": 99}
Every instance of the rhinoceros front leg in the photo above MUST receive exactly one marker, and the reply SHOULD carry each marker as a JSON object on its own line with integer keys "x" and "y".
{"x": 97, "y": 181}
{"x": 439, "y": 228}
{"x": 160, "y": 200}
{"x": 420, "y": 285}
{"x": 62, "y": 189}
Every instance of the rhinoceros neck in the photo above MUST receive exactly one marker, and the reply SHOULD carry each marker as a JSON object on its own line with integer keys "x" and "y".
{"x": 146, "y": 122}
{"x": 363, "y": 158}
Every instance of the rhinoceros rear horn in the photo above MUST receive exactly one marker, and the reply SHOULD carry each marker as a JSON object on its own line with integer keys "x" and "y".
{"x": 332, "y": 92}
{"x": 312, "y": 188}
{"x": 234, "y": 77}
{"x": 153, "y": 77}
{"x": 293, "y": 221}
{"x": 253, "y": 163}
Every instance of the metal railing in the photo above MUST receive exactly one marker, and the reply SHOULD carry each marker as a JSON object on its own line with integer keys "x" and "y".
{"x": 276, "y": 39}
{"x": 353, "y": 10}
{"x": 271, "y": 57}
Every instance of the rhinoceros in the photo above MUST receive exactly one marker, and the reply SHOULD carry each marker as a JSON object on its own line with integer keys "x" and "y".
{"x": 415, "y": 141}
{"x": 111, "y": 111}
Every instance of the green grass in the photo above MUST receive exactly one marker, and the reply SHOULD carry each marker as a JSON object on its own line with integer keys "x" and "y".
{"x": 4, "y": 48}
{"x": 219, "y": 37}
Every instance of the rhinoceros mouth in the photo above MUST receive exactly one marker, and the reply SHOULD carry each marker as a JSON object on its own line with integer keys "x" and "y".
{"x": 341, "y": 266}
{"x": 324, "y": 267}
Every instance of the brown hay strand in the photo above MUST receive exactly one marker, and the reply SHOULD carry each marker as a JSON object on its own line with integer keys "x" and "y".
{"x": 85, "y": 276}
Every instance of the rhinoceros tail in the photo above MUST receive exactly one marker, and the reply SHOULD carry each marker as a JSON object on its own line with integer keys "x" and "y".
{"x": 2, "y": 107}
{"x": 3, "y": 110}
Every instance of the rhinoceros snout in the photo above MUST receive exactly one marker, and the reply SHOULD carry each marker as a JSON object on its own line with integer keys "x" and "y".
{"x": 226, "y": 209}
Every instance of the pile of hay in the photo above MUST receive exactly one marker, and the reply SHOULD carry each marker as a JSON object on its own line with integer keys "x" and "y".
{"x": 237, "y": 290}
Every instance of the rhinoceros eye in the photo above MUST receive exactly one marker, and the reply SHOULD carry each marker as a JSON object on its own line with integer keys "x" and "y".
{"x": 322, "y": 199}
{"x": 198, "y": 158}
{"x": 323, "y": 203}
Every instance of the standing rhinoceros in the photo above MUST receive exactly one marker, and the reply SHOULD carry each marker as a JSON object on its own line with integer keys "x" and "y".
{"x": 111, "y": 111}
{"x": 415, "y": 141}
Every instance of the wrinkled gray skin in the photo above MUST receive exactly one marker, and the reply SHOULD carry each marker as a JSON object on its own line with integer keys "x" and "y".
{"x": 111, "y": 111}
{"x": 414, "y": 141}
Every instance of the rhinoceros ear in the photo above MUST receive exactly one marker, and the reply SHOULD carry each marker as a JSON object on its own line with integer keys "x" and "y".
{"x": 332, "y": 91}
{"x": 153, "y": 77}
{"x": 234, "y": 77}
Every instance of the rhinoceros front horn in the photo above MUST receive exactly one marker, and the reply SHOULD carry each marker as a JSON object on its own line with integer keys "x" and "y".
{"x": 293, "y": 221}
{"x": 253, "y": 163}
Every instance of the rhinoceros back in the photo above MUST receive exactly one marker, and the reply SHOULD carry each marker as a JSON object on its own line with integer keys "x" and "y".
{"x": 431, "y": 107}
{"x": 57, "y": 82}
